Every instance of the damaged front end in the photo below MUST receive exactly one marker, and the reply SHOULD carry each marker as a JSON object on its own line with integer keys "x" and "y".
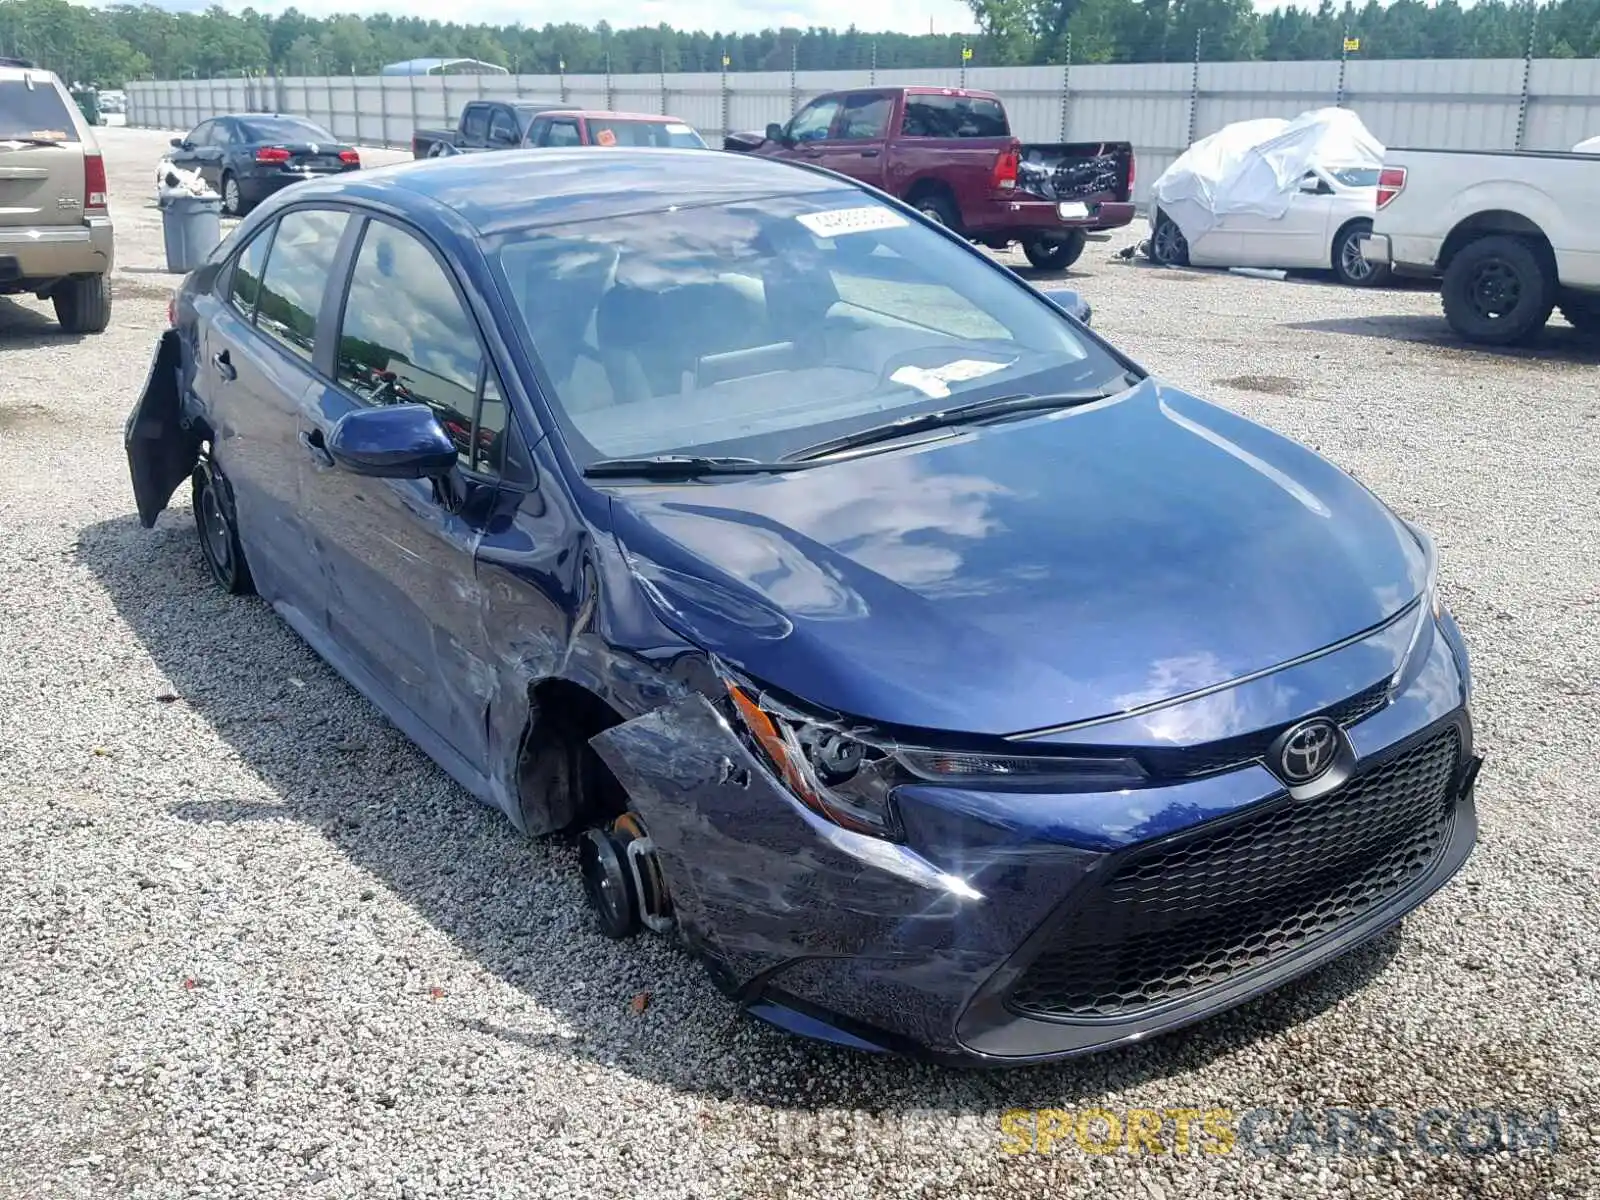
{"x": 767, "y": 875}
{"x": 162, "y": 446}
{"x": 1004, "y": 902}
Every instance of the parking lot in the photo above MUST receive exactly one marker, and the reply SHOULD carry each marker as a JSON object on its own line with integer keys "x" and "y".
{"x": 256, "y": 944}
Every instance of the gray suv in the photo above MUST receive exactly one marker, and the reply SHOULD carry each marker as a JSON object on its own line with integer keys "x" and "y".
{"x": 55, "y": 229}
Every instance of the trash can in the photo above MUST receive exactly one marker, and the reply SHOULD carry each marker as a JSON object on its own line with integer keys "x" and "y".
{"x": 192, "y": 226}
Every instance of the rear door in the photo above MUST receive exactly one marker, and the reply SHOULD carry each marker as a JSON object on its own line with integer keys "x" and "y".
{"x": 258, "y": 339}
{"x": 503, "y": 131}
{"x": 855, "y": 147}
{"x": 41, "y": 156}
{"x": 475, "y": 126}
{"x": 398, "y": 553}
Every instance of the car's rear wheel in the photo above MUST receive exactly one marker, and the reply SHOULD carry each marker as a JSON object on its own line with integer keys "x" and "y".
{"x": 1168, "y": 246}
{"x": 1352, "y": 267}
{"x": 232, "y": 197}
{"x": 1497, "y": 291}
{"x": 937, "y": 207}
{"x": 83, "y": 303}
{"x": 216, "y": 522}
{"x": 1055, "y": 253}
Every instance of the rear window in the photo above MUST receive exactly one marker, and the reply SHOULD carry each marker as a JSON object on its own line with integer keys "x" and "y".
{"x": 34, "y": 112}
{"x": 644, "y": 133}
{"x": 1356, "y": 176}
{"x": 954, "y": 117}
{"x": 283, "y": 129}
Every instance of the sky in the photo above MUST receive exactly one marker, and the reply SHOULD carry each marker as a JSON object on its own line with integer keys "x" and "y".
{"x": 905, "y": 16}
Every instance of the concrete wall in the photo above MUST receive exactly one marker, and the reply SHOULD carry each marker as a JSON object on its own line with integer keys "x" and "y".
{"x": 1486, "y": 104}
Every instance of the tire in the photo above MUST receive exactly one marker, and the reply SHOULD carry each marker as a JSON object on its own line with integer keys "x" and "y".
{"x": 1497, "y": 291}
{"x": 1350, "y": 266}
{"x": 216, "y": 522}
{"x": 83, "y": 303}
{"x": 1582, "y": 312}
{"x": 938, "y": 207}
{"x": 233, "y": 203}
{"x": 1056, "y": 254}
{"x": 1168, "y": 246}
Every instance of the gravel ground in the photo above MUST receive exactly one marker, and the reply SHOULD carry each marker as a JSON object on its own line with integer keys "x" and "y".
{"x": 257, "y": 945}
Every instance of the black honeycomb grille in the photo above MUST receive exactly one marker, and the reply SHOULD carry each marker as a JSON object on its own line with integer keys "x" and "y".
{"x": 1210, "y": 757}
{"x": 1194, "y": 913}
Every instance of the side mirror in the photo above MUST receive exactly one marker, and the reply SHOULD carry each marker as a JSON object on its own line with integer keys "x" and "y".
{"x": 776, "y": 133}
{"x": 397, "y": 441}
{"x": 1311, "y": 185}
{"x": 1071, "y": 303}
{"x": 180, "y": 143}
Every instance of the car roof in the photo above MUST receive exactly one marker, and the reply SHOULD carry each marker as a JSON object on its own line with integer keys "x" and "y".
{"x": 38, "y": 73}
{"x": 610, "y": 115}
{"x": 256, "y": 116}
{"x": 519, "y": 189}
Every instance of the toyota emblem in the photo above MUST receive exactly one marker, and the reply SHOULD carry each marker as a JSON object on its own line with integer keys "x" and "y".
{"x": 1308, "y": 750}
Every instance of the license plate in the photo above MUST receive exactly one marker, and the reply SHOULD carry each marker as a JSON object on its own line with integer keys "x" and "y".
{"x": 1072, "y": 210}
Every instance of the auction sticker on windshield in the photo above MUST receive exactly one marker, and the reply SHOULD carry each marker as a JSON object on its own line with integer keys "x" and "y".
{"x": 851, "y": 220}
{"x": 936, "y": 381}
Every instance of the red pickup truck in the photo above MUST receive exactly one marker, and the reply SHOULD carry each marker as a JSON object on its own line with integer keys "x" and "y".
{"x": 949, "y": 153}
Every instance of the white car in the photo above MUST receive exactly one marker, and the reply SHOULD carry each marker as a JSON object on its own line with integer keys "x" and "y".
{"x": 1320, "y": 229}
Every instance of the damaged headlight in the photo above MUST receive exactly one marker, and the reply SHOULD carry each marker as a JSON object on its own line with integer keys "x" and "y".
{"x": 837, "y": 776}
{"x": 846, "y": 775}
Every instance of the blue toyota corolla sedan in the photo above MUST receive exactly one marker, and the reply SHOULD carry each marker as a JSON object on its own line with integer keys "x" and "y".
{"x": 944, "y": 681}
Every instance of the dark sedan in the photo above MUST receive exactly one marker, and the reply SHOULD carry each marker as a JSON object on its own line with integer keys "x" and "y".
{"x": 247, "y": 157}
{"x": 902, "y": 649}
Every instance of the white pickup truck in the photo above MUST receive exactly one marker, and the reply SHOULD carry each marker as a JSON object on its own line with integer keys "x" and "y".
{"x": 1513, "y": 234}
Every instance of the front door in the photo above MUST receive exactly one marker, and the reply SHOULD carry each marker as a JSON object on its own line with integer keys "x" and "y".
{"x": 1300, "y": 237}
{"x": 398, "y": 553}
{"x": 859, "y": 138}
{"x": 807, "y": 130}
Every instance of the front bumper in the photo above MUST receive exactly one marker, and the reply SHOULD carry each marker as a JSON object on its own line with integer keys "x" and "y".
{"x": 969, "y": 941}
{"x": 54, "y": 252}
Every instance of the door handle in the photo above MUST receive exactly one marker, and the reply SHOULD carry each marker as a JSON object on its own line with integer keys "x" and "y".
{"x": 224, "y": 367}
{"x": 869, "y": 154}
{"x": 311, "y": 439}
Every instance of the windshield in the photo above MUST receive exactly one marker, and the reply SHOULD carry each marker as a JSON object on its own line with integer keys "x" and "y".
{"x": 607, "y": 132}
{"x": 759, "y": 327}
{"x": 284, "y": 129}
{"x": 34, "y": 111}
{"x": 1355, "y": 176}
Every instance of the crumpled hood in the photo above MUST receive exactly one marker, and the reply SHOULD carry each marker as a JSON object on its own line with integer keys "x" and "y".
{"x": 1029, "y": 574}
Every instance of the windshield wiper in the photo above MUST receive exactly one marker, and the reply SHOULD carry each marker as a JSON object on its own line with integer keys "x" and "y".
{"x": 681, "y": 466}
{"x": 19, "y": 139}
{"x": 962, "y": 414}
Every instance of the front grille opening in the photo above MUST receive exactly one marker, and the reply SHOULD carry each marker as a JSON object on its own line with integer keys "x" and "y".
{"x": 1195, "y": 913}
